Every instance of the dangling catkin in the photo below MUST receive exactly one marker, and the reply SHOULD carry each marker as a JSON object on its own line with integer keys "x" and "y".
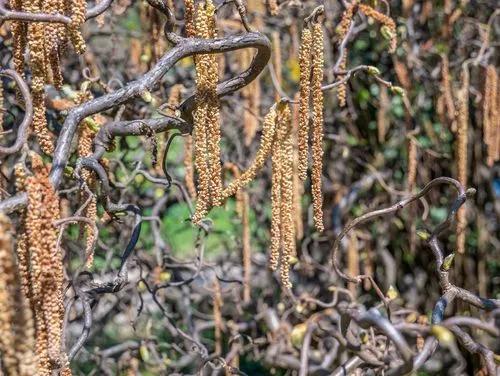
{"x": 491, "y": 122}
{"x": 282, "y": 225}
{"x": 218, "y": 323}
{"x": 276, "y": 223}
{"x": 305, "y": 64}
{"x": 77, "y": 8}
{"x": 207, "y": 119}
{"x": 298, "y": 186}
{"x": 264, "y": 151}
{"x": 461, "y": 154}
{"x": 412, "y": 164}
{"x": 317, "y": 125}
{"x": 382, "y": 114}
{"x": 286, "y": 210}
{"x": 16, "y": 321}
{"x": 447, "y": 95}
{"x": 346, "y": 20}
{"x": 41, "y": 267}
{"x": 86, "y": 137}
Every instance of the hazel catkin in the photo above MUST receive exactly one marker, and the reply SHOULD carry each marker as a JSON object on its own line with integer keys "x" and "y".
{"x": 491, "y": 122}
{"x": 206, "y": 117}
{"x": 305, "y": 64}
{"x": 461, "y": 155}
{"x": 317, "y": 125}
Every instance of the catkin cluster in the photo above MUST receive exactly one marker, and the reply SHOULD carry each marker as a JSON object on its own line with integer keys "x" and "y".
{"x": 45, "y": 43}
{"x": 41, "y": 268}
{"x": 282, "y": 216}
{"x": 491, "y": 120}
{"x": 311, "y": 77}
{"x": 206, "y": 116}
{"x": 17, "y": 342}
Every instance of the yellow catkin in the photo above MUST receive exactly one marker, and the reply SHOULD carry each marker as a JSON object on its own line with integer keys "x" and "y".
{"x": 78, "y": 8}
{"x": 218, "y": 322}
{"x": 386, "y": 21}
{"x": 491, "y": 123}
{"x": 264, "y": 151}
{"x": 447, "y": 93}
{"x": 412, "y": 164}
{"x": 346, "y": 20}
{"x": 461, "y": 155}
{"x": 286, "y": 203}
{"x": 86, "y": 137}
{"x": 206, "y": 116}
{"x": 276, "y": 223}
{"x": 45, "y": 139}
{"x": 298, "y": 186}
{"x": 282, "y": 247}
{"x": 54, "y": 36}
{"x": 305, "y": 64}
{"x": 317, "y": 126}
{"x": 382, "y": 114}
{"x": 41, "y": 267}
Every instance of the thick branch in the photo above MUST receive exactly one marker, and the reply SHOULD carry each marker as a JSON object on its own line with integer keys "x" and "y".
{"x": 185, "y": 47}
